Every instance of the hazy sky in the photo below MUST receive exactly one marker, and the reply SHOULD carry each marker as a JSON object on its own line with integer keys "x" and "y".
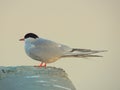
{"x": 93, "y": 24}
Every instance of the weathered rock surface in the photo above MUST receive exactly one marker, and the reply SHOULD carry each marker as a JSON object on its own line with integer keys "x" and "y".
{"x": 34, "y": 78}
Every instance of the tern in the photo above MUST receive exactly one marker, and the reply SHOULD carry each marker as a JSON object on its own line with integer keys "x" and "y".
{"x": 48, "y": 51}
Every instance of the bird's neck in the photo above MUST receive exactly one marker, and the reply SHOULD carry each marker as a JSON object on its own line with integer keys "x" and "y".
{"x": 29, "y": 40}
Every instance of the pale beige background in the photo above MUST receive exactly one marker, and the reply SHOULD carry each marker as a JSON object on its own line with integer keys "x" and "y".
{"x": 91, "y": 24}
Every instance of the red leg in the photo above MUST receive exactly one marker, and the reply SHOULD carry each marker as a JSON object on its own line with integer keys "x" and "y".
{"x": 42, "y": 64}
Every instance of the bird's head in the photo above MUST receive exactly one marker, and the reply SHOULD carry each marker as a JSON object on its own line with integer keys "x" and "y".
{"x": 29, "y": 36}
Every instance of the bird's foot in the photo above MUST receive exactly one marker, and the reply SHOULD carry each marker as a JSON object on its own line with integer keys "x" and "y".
{"x": 41, "y": 65}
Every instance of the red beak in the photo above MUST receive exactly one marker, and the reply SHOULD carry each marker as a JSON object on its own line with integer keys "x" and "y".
{"x": 21, "y": 39}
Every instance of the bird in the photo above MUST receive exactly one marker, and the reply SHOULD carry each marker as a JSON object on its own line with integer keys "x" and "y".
{"x": 47, "y": 51}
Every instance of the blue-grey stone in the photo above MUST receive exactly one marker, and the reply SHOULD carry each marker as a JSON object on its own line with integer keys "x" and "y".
{"x": 34, "y": 78}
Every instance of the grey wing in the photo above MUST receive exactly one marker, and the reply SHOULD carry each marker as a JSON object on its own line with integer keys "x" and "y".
{"x": 48, "y": 49}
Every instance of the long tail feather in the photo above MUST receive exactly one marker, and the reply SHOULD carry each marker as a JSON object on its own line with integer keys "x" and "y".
{"x": 83, "y": 53}
{"x": 88, "y": 50}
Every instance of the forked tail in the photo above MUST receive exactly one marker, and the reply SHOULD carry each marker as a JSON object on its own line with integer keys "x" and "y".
{"x": 83, "y": 53}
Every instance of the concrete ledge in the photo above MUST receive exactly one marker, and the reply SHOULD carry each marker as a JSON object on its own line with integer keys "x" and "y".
{"x": 34, "y": 78}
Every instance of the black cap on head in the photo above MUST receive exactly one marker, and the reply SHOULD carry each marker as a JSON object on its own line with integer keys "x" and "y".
{"x": 31, "y": 35}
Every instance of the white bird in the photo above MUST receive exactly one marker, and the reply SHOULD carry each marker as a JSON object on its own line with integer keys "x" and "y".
{"x": 48, "y": 51}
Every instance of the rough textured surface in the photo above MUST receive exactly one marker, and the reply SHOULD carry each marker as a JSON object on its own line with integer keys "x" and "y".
{"x": 34, "y": 78}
